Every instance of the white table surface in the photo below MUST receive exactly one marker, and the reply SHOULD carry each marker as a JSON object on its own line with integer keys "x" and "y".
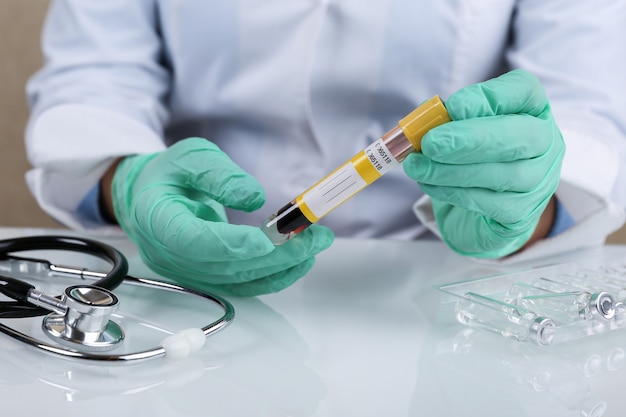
{"x": 365, "y": 333}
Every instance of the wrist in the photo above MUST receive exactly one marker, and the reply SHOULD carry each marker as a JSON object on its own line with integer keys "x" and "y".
{"x": 106, "y": 194}
{"x": 546, "y": 221}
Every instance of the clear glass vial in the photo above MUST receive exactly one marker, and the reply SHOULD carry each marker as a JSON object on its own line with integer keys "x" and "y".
{"x": 506, "y": 319}
{"x": 564, "y": 307}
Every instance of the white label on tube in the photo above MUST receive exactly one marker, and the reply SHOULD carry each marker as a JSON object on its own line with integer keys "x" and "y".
{"x": 334, "y": 190}
{"x": 380, "y": 157}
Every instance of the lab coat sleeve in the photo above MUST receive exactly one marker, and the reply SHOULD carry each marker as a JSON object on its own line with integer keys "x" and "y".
{"x": 70, "y": 147}
{"x": 577, "y": 50}
{"x": 98, "y": 97}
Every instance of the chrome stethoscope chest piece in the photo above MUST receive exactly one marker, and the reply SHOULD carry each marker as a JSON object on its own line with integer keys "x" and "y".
{"x": 86, "y": 323}
{"x": 80, "y": 319}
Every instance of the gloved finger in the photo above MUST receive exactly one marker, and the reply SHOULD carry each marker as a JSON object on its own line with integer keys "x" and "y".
{"x": 518, "y": 176}
{"x": 266, "y": 285}
{"x": 490, "y": 139}
{"x": 515, "y": 92}
{"x": 166, "y": 221}
{"x": 504, "y": 207}
{"x": 471, "y": 234}
{"x": 272, "y": 283}
{"x": 199, "y": 164}
{"x": 298, "y": 250}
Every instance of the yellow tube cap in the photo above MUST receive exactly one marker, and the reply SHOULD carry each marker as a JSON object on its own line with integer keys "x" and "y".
{"x": 429, "y": 114}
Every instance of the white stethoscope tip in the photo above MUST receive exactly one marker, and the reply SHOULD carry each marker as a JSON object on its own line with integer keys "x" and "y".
{"x": 183, "y": 343}
{"x": 195, "y": 337}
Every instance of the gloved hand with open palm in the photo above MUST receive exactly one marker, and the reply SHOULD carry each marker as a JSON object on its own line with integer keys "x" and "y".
{"x": 171, "y": 205}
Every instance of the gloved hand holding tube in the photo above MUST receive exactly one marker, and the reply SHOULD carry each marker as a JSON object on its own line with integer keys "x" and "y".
{"x": 171, "y": 205}
{"x": 492, "y": 171}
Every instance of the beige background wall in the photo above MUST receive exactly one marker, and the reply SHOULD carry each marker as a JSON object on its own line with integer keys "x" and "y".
{"x": 20, "y": 21}
{"x": 20, "y": 57}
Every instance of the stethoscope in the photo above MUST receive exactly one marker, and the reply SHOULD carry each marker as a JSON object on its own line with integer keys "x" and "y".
{"x": 79, "y": 320}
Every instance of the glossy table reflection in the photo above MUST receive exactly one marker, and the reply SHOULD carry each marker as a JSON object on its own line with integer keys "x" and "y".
{"x": 363, "y": 334}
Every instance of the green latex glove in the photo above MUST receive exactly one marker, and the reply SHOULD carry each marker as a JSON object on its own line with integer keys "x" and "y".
{"x": 171, "y": 205}
{"x": 492, "y": 170}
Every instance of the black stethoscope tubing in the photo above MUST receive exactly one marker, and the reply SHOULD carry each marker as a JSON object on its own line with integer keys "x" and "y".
{"x": 134, "y": 357}
{"x": 112, "y": 279}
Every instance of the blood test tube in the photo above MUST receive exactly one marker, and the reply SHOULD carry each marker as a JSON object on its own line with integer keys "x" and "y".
{"x": 361, "y": 170}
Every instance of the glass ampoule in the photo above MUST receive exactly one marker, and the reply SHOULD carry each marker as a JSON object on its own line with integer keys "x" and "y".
{"x": 605, "y": 276}
{"x": 508, "y": 320}
{"x": 609, "y": 272}
{"x": 550, "y": 284}
{"x": 619, "y": 321}
{"x": 361, "y": 170}
{"x": 564, "y": 307}
{"x": 617, "y": 289}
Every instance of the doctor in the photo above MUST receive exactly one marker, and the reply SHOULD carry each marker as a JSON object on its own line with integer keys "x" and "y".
{"x": 187, "y": 123}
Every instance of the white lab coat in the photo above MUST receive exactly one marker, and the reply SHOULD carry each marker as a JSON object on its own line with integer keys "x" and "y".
{"x": 290, "y": 89}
